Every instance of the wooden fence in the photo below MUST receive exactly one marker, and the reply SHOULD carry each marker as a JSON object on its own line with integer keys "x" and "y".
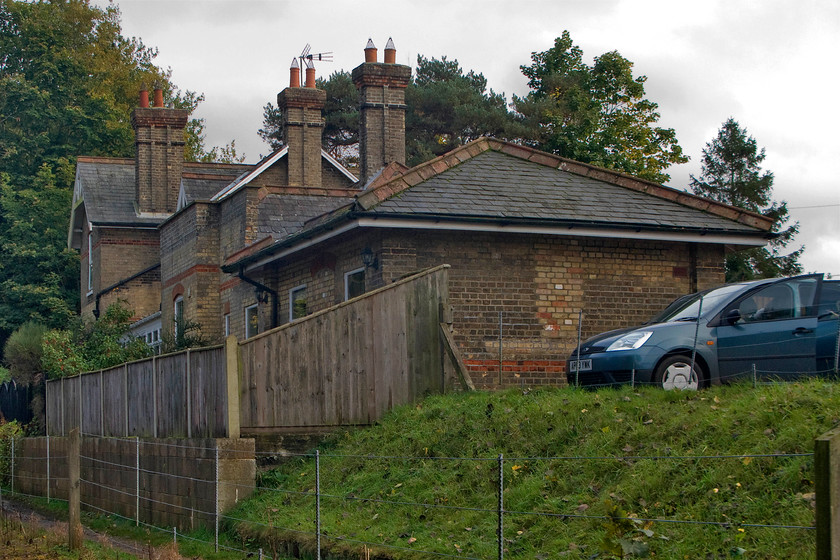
{"x": 184, "y": 394}
{"x": 348, "y": 364}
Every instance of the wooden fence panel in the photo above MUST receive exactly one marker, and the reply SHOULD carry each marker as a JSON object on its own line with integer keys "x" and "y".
{"x": 91, "y": 412}
{"x": 171, "y": 385}
{"x": 115, "y": 396}
{"x": 141, "y": 403}
{"x": 208, "y": 393}
{"x": 348, "y": 364}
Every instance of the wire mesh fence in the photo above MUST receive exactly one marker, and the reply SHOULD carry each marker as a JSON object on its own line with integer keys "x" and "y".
{"x": 493, "y": 508}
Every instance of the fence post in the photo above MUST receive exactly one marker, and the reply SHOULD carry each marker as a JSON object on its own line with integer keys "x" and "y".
{"x": 501, "y": 507}
{"x": 577, "y": 368}
{"x": 318, "y": 504}
{"x": 837, "y": 349}
{"x": 74, "y": 527}
{"x": 232, "y": 373}
{"x": 500, "y": 349}
{"x": 188, "y": 394}
{"x": 79, "y": 400}
{"x": 154, "y": 398}
{"x": 48, "y": 468}
{"x": 755, "y": 377}
{"x": 633, "y": 378}
{"x": 827, "y": 487}
{"x": 125, "y": 396}
{"x": 217, "y": 496}
{"x": 101, "y": 403}
{"x": 13, "y": 465}
{"x": 136, "y": 481}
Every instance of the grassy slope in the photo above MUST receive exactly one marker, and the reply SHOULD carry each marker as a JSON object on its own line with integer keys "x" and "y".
{"x": 734, "y": 420}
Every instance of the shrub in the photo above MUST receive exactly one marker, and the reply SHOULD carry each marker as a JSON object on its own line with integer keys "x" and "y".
{"x": 23, "y": 352}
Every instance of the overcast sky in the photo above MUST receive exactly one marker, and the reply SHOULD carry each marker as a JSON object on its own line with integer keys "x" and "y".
{"x": 770, "y": 64}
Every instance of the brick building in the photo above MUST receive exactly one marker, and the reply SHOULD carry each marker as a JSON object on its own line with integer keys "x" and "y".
{"x": 532, "y": 239}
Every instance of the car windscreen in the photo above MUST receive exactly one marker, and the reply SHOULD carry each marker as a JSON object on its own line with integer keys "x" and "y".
{"x": 687, "y": 307}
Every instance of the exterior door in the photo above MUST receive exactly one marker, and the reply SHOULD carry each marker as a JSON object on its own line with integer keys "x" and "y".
{"x": 774, "y": 331}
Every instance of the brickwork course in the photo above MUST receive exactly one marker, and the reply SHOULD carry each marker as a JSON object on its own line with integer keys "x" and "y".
{"x": 533, "y": 239}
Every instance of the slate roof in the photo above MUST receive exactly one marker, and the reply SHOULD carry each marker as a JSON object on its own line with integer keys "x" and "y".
{"x": 108, "y": 186}
{"x": 284, "y": 215}
{"x": 497, "y": 185}
{"x": 496, "y": 182}
{"x": 203, "y": 186}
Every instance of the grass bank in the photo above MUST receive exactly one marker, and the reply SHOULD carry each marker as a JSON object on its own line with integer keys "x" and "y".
{"x": 608, "y": 474}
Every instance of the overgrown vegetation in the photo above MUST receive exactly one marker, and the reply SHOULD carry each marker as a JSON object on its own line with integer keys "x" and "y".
{"x": 586, "y": 475}
{"x": 89, "y": 346}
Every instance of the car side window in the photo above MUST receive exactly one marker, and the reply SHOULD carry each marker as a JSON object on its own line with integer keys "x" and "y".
{"x": 771, "y": 303}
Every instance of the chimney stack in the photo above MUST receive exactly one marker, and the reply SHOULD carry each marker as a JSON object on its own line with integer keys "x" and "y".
{"x": 303, "y": 127}
{"x": 382, "y": 110}
{"x": 159, "y": 154}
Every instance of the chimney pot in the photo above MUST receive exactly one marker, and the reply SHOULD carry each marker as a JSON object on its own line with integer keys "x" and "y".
{"x": 370, "y": 51}
{"x": 294, "y": 74}
{"x": 144, "y": 96}
{"x": 158, "y": 96}
{"x": 310, "y": 76}
{"x": 390, "y": 52}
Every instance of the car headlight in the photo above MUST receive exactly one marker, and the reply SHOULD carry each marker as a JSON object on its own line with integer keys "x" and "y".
{"x": 630, "y": 341}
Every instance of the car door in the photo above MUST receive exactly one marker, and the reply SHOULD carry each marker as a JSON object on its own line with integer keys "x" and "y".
{"x": 772, "y": 329}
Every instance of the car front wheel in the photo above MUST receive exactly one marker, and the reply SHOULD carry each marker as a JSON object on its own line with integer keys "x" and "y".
{"x": 676, "y": 372}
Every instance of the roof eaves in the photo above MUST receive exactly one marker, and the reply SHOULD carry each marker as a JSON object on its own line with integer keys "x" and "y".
{"x": 246, "y": 178}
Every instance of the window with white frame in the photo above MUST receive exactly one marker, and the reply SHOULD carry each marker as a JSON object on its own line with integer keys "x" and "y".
{"x": 354, "y": 283}
{"x": 297, "y": 302}
{"x": 179, "y": 318}
{"x": 90, "y": 261}
{"x": 252, "y": 321}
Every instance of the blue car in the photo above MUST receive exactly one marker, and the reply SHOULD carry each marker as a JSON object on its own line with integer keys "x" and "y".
{"x": 775, "y": 328}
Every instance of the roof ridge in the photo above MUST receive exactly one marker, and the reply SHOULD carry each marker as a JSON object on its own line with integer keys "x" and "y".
{"x": 105, "y": 159}
{"x": 442, "y": 163}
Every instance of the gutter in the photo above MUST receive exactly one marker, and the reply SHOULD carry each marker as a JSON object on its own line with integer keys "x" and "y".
{"x": 345, "y": 221}
{"x": 122, "y": 282}
{"x": 264, "y": 288}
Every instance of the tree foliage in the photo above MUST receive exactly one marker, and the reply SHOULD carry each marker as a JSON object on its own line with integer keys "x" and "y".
{"x": 596, "y": 113}
{"x": 68, "y": 83}
{"x": 94, "y": 345}
{"x": 445, "y": 108}
{"x": 22, "y": 353}
{"x": 731, "y": 173}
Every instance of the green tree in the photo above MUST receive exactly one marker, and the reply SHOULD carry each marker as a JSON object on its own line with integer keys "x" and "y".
{"x": 596, "y": 113}
{"x": 731, "y": 173}
{"x": 22, "y": 353}
{"x": 448, "y": 108}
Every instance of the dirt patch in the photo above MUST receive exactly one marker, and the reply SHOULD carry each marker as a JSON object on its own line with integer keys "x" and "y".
{"x": 32, "y": 535}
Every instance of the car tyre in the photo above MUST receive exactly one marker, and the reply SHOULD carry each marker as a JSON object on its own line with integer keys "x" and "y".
{"x": 675, "y": 372}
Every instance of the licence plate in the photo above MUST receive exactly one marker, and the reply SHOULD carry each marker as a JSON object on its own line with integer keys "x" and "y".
{"x": 584, "y": 365}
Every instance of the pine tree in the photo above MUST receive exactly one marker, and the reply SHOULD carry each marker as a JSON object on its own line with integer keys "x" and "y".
{"x": 732, "y": 174}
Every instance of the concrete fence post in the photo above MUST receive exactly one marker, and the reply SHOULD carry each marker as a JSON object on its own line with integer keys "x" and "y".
{"x": 188, "y": 394}
{"x": 74, "y": 527}
{"x": 827, "y": 487}
{"x": 232, "y": 376}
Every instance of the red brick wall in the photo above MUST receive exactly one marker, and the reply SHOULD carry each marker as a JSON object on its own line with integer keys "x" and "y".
{"x": 537, "y": 283}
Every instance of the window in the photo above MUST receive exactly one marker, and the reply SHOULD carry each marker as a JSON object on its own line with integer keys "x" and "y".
{"x": 178, "y": 316}
{"x": 252, "y": 321}
{"x": 90, "y": 262}
{"x": 227, "y": 324}
{"x": 297, "y": 302}
{"x": 354, "y": 283}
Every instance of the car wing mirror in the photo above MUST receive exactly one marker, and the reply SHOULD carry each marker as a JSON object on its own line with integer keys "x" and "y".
{"x": 732, "y": 316}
